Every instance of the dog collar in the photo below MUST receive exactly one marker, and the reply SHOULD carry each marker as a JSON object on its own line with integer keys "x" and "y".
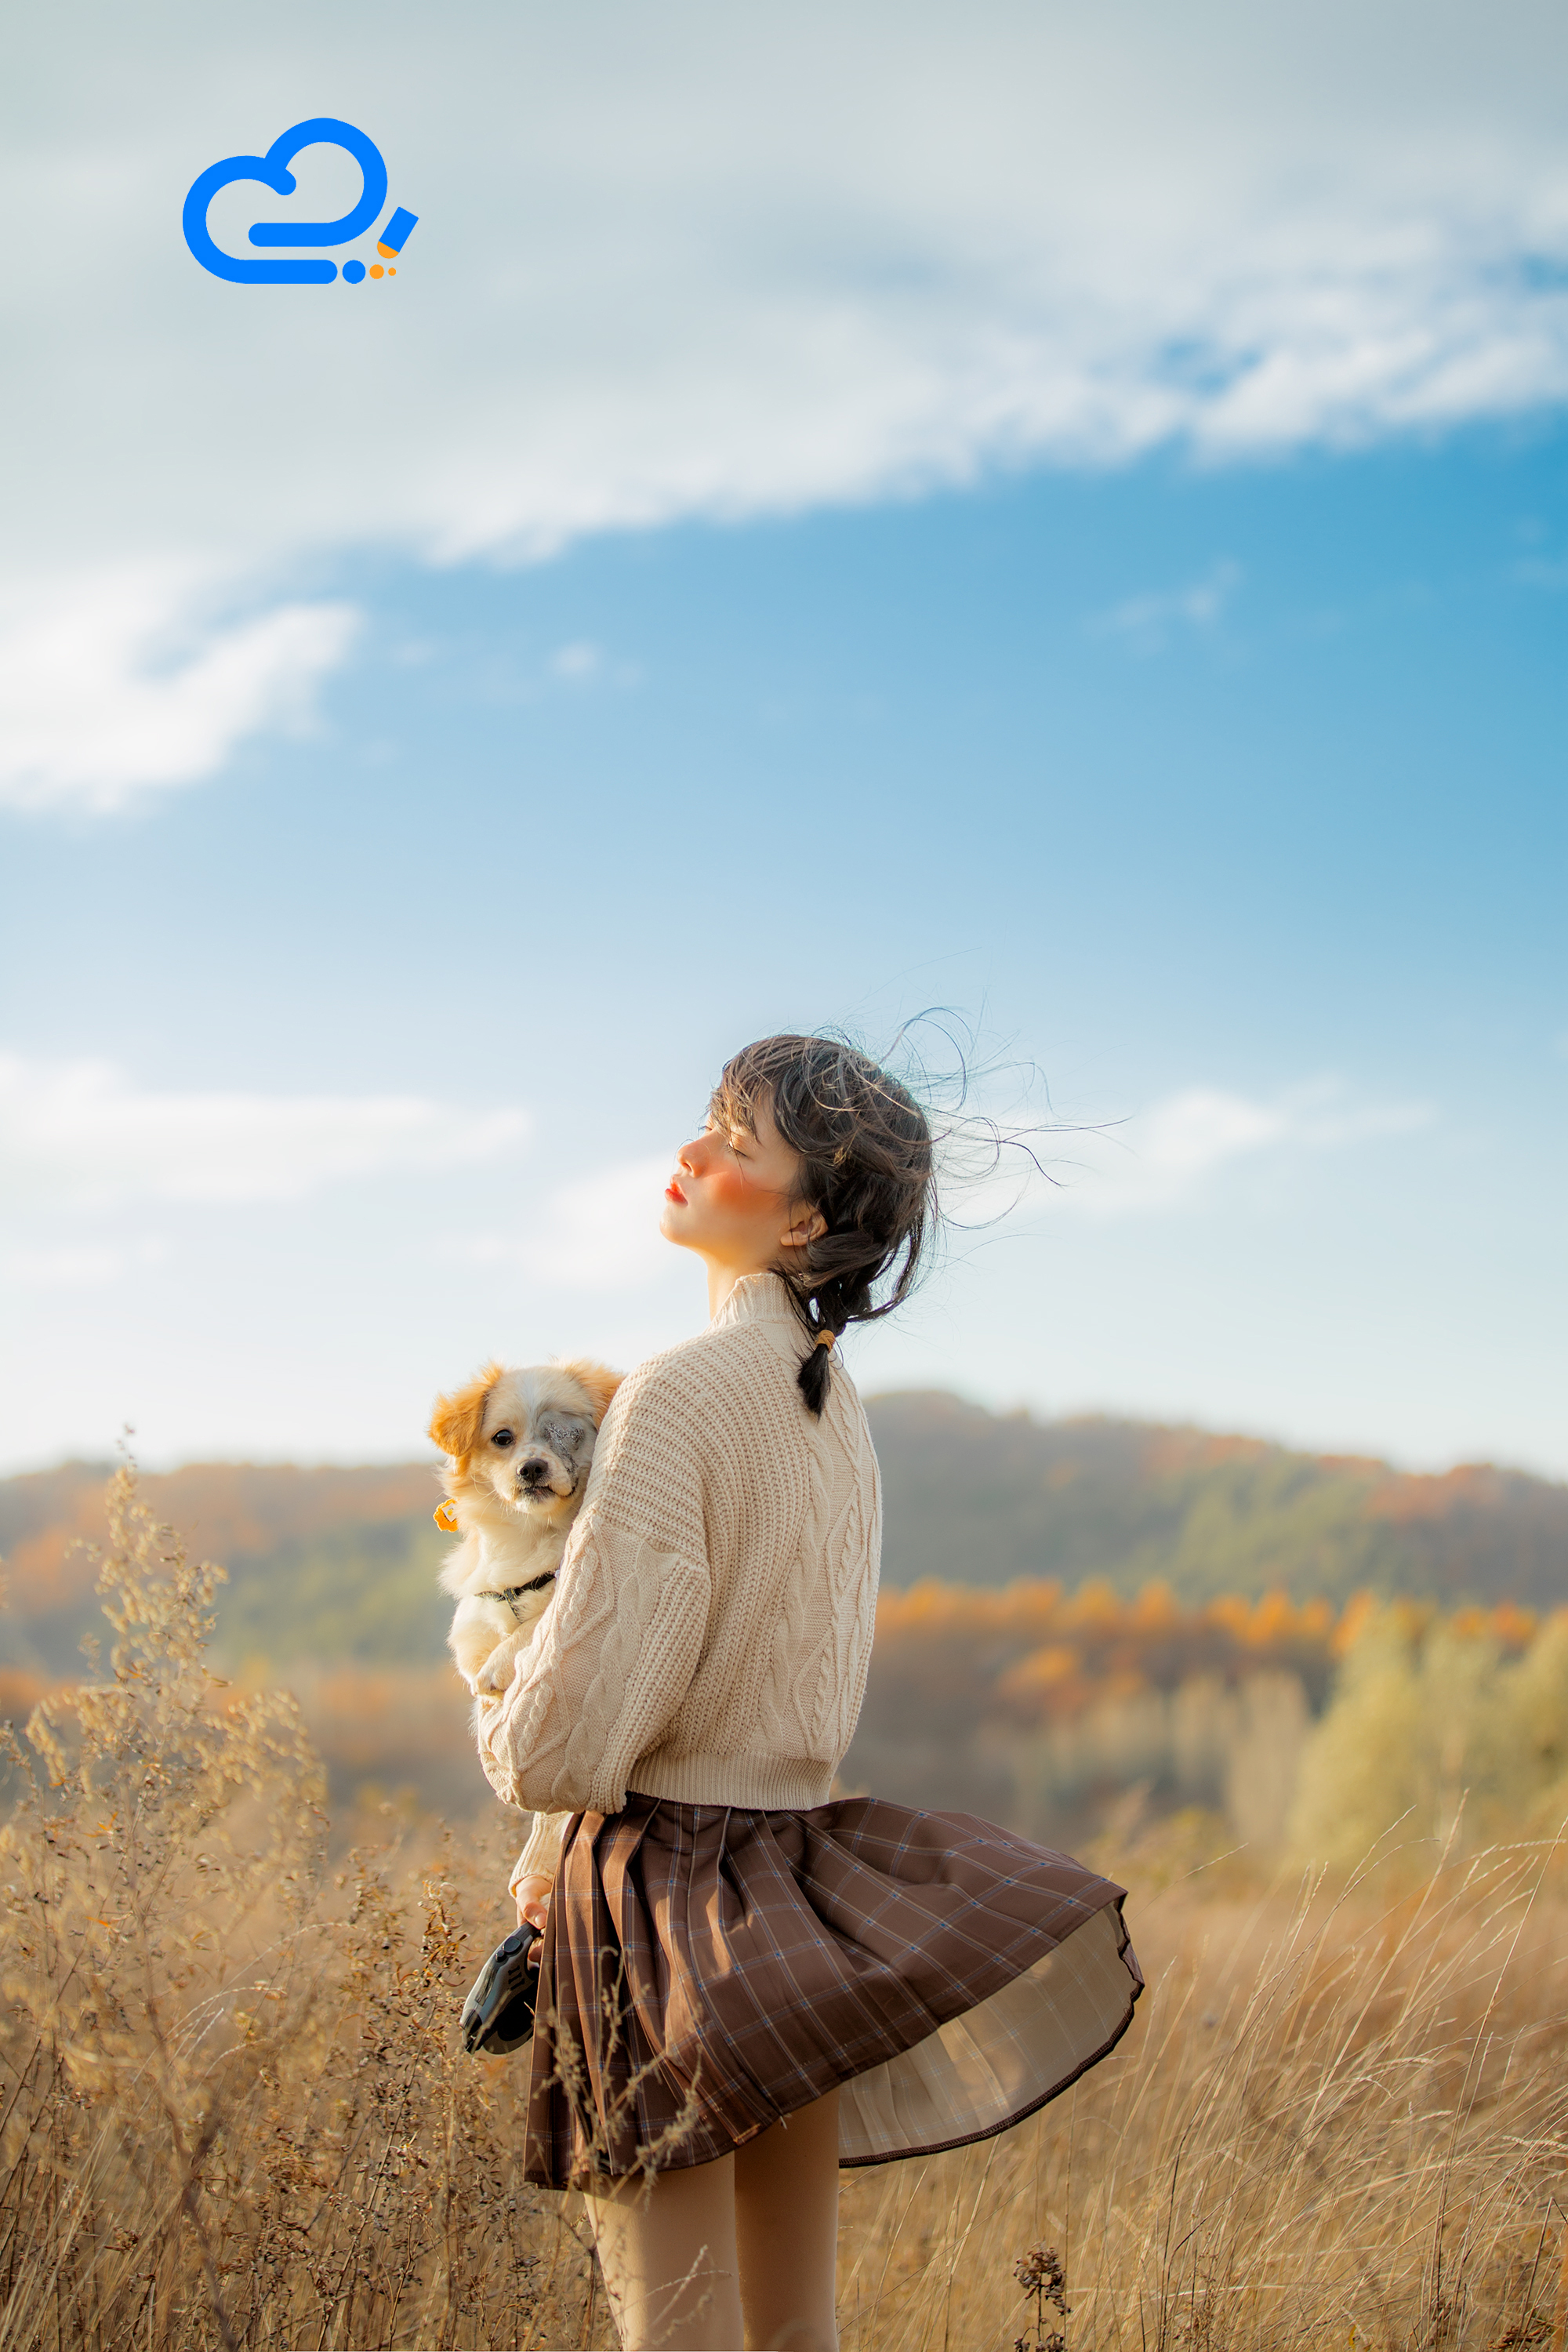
{"x": 515, "y": 1591}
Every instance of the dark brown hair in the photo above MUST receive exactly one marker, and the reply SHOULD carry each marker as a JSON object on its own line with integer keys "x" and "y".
{"x": 866, "y": 1161}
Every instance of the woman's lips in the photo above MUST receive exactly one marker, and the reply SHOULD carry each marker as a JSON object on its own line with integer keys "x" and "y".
{"x": 672, "y": 1191}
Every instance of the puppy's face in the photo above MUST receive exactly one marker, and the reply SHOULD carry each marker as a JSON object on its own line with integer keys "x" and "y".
{"x": 535, "y": 1443}
{"x": 526, "y": 1437}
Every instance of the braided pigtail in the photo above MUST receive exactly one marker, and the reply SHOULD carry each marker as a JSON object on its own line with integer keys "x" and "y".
{"x": 827, "y": 1309}
{"x": 867, "y": 1166}
{"x": 815, "y": 1377}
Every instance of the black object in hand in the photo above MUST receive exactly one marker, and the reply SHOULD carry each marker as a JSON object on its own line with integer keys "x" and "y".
{"x": 497, "y": 2015}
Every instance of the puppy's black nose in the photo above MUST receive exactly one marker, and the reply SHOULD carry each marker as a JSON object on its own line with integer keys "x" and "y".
{"x": 534, "y": 1472}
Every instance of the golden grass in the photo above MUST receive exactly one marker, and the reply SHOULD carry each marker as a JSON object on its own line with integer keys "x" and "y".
{"x": 1332, "y": 2122}
{"x": 233, "y": 2110}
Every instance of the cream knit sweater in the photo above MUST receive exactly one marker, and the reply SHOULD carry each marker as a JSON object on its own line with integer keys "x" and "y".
{"x": 713, "y": 1614}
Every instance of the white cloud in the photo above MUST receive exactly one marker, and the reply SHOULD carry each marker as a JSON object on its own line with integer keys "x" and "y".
{"x": 578, "y": 662}
{"x": 715, "y": 262}
{"x": 1148, "y": 619}
{"x": 112, "y": 685}
{"x": 1189, "y": 1133}
{"x": 1166, "y": 1156}
{"x": 1162, "y": 1157}
{"x": 81, "y": 1134}
{"x": 601, "y": 1234}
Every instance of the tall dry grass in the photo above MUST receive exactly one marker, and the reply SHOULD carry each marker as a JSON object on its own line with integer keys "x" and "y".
{"x": 233, "y": 2109}
{"x": 1337, "y": 2122}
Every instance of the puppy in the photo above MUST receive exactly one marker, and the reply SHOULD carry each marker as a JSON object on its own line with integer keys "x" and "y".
{"x": 521, "y": 1442}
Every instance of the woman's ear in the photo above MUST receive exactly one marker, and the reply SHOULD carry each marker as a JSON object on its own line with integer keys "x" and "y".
{"x": 457, "y": 1419}
{"x": 600, "y": 1382}
{"x": 805, "y": 1229}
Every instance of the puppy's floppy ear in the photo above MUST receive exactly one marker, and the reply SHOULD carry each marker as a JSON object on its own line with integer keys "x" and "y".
{"x": 455, "y": 1424}
{"x": 597, "y": 1379}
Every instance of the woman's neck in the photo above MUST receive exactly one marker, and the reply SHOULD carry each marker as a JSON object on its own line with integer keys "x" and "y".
{"x": 722, "y": 1280}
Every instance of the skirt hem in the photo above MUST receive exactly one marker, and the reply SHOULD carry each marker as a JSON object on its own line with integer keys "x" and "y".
{"x": 1021, "y": 2115}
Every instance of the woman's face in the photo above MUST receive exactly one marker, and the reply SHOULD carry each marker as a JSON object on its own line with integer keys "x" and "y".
{"x": 734, "y": 1198}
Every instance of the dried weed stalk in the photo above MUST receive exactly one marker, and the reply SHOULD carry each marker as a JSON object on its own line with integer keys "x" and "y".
{"x": 234, "y": 2110}
{"x": 1044, "y": 2281}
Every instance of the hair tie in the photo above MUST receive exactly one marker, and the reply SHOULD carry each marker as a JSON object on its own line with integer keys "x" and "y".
{"x": 825, "y": 1338}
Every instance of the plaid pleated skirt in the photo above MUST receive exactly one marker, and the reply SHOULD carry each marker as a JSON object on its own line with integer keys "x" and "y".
{"x": 708, "y": 1969}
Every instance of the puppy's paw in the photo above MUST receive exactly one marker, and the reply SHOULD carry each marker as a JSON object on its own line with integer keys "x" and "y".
{"x": 495, "y": 1675}
{"x": 471, "y": 1657}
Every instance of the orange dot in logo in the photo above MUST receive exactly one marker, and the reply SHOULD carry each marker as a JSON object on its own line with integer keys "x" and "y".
{"x": 376, "y": 270}
{"x": 392, "y": 273}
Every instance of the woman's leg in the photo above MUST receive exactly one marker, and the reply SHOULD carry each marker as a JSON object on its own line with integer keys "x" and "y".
{"x": 786, "y": 2231}
{"x": 667, "y": 2253}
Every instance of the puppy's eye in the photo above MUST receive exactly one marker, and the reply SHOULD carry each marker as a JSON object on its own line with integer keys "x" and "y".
{"x": 503, "y": 1438}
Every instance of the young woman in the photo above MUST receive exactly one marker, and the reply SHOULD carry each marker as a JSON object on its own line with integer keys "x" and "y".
{"x": 743, "y": 1984}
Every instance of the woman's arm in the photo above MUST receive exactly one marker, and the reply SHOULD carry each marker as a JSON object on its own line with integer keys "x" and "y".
{"x": 614, "y": 1656}
{"x": 537, "y": 1864}
{"x": 613, "y": 1662}
{"x": 541, "y": 1855}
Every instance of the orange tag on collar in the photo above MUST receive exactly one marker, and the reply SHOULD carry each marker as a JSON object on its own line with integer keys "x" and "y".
{"x": 447, "y": 1516}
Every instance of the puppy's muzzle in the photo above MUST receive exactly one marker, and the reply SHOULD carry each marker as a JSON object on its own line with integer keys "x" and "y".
{"x": 540, "y": 1480}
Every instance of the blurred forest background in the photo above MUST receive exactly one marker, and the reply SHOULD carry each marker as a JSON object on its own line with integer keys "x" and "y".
{"x": 1088, "y": 1628}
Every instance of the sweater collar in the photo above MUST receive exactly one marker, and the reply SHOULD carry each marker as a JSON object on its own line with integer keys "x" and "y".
{"x": 756, "y": 1298}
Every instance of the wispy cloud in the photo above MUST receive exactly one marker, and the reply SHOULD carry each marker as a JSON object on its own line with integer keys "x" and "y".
{"x": 83, "y": 1134}
{"x": 115, "y": 683}
{"x": 578, "y": 662}
{"x": 601, "y": 1234}
{"x": 1172, "y": 1154}
{"x": 581, "y": 663}
{"x": 1150, "y": 619}
{"x": 1166, "y": 1156}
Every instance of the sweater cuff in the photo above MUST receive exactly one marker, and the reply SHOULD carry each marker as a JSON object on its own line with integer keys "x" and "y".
{"x": 541, "y": 1857}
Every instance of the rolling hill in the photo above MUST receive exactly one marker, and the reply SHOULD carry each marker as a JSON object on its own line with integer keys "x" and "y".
{"x": 338, "y": 1564}
{"x": 978, "y": 1499}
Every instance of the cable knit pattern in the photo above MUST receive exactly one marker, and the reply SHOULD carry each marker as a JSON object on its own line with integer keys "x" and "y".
{"x": 713, "y": 1614}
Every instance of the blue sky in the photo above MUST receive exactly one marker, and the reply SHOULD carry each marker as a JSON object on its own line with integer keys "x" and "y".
{"x": 430, "y": 746}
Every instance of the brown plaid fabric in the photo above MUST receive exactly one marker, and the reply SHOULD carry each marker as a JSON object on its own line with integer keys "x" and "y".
{"x": 708, "y": 1969}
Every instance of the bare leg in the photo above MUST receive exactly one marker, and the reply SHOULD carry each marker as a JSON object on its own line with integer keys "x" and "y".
{"x": 668, "y": 2258}
{"x": 786, "y": 2231}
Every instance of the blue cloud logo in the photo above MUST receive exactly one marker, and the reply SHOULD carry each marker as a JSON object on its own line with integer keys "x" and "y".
{"x": 272, "y": 171}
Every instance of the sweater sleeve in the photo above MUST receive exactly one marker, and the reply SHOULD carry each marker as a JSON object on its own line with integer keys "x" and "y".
{"x": 541, "y": 1857}
{"x": 614, "y": 1656}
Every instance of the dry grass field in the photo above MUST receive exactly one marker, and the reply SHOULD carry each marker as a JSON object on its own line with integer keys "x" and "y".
{"x": 233, "y": 2112}
{"x": 1334, "y": 2123}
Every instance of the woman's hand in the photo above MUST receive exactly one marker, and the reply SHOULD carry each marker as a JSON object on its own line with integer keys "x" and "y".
{"x": 532, "y": 1903}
